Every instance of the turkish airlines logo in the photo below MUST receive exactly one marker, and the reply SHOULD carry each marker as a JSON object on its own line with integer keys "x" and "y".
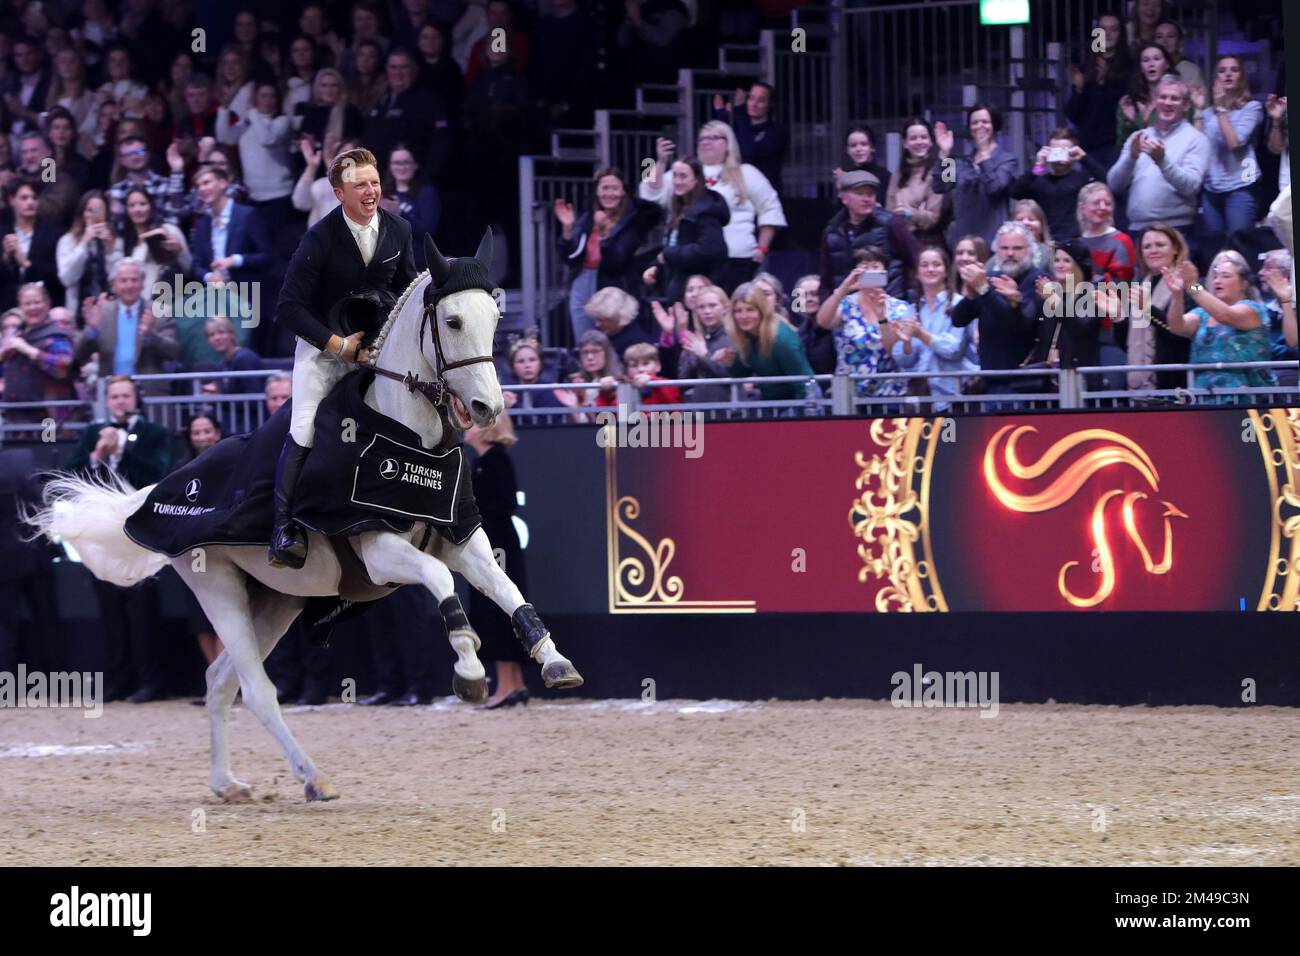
{"x": 388, "y": 468}
{"x": 192, "y": 489}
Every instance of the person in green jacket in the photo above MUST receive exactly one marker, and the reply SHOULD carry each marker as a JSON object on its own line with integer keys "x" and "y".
{"x": 127, "y": 444}
{"x": 765, "y": 344}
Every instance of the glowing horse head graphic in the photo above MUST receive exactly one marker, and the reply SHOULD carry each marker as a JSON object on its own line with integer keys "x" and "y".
{"x": 1116, "y": 450}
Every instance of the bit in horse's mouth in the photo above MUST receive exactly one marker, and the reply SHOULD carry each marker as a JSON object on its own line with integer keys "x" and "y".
{"x": 460, "y": 416}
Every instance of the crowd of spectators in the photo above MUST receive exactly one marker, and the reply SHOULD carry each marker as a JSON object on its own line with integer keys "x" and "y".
{"x": 1051, "y": 277}
{"x": 128, "y": 172}
{"x": 192, "y": 141}
{"x": 134, "y": 159}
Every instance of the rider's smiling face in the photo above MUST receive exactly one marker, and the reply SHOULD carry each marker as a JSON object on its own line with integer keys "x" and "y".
{"x": 360, "y": 193}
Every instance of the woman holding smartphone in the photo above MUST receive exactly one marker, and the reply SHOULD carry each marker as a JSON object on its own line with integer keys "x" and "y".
{"x": 86, "y": 252}
{"x": 158, "y": 246}
{"x": 868, "y": 323}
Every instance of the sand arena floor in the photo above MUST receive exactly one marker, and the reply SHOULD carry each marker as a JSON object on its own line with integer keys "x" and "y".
{"x": 670, "y": 782}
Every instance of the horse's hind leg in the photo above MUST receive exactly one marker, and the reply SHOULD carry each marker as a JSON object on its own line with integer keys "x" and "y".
{"x": 223, "y": 684}
{"x": 222, "y": 593}
{"x": 475, "y": 560}
{"x": 272, "y": 615}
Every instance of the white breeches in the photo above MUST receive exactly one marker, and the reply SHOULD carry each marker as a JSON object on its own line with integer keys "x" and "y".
{"x": 314, "y": 374}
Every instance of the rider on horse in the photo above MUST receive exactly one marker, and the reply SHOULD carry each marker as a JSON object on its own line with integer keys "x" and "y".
{"x": 349, "y": 268}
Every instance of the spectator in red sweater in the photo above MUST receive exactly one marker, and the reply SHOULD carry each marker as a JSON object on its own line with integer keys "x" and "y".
{"x": 1113, "y": 260}
{"x": 1113, "y": 255}
{"x": 642, "y": 361}
{"x": 199, "y": 118}
{"x": 516, "y": 41}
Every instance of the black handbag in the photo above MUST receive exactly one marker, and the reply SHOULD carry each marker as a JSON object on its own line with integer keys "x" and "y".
{"x": 1030, "y": 384}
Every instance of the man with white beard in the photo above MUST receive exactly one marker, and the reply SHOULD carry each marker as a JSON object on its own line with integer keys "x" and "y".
{"x": 1000, "y": 296}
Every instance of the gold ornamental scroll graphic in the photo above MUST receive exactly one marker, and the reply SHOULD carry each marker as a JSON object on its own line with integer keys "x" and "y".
{"x": 1116, "y": 449}
{"x": 640, "y": 581}
{"x": 891, "y": 514}
{"x": 1277, "y": 433}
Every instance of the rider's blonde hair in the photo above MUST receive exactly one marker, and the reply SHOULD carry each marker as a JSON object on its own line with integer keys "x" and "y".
{"x": 351, "y": 160}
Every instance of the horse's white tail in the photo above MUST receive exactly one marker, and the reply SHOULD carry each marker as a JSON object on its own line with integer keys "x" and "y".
{"x": 89, "y": 514}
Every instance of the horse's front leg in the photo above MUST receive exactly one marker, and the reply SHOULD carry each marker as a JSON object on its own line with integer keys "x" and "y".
{"x": 391, "y": 558}
{"x": 475, "y": 560}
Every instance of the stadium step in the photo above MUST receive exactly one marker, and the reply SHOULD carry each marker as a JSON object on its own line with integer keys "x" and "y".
{"x": 740, "y": 61}
{"x": 658, "y": 99}
{"x": 576, "y": 144}
{"x": 711, "y": 80}
{"x": 627, "y": 114}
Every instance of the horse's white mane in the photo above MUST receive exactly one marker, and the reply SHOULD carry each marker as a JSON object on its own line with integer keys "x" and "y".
{"x": 382, "y": 335}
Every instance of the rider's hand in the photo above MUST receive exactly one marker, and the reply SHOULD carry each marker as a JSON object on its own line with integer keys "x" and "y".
{"x": 350, "y": 346}
{"x": 352, "y": 350}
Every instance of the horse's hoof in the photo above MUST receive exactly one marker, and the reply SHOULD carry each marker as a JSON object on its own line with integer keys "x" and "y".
{"x": 470, "y": 691}
{"x": 561, "y": 675}
{"x": 236, "y": 793}
{"x": 321, "y": 789}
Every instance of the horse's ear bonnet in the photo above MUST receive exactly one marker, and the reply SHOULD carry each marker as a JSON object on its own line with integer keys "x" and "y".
{"x": 457, "y": 275}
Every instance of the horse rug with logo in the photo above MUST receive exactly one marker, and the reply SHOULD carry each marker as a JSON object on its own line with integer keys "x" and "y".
{"x": 366, "y": 472}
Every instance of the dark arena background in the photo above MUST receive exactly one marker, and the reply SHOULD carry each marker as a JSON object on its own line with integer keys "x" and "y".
{"x": 866, "y": 555}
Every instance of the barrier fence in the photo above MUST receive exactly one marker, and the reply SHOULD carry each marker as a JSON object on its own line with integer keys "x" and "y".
{"x": 236, "y": 411}
{"x": 1048, "y": 389}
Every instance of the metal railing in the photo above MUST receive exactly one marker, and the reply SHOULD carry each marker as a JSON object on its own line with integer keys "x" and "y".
{"x": 1047, "y": 389}
{"x": 541, "y": 182}
{"x": 1190, "y": 393}
{"x": 807, "y": 81}
{"x": 918, "y": 59}
{"x": 236, "y": 411}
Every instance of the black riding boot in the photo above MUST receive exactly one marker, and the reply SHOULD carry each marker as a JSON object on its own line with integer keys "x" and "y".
{"x": 288, "y": 540}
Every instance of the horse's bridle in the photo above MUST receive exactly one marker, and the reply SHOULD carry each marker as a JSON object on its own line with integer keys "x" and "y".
{"x": 437, "y": 392}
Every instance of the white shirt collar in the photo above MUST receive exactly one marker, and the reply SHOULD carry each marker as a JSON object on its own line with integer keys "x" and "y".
{"x": 356, "y": 228}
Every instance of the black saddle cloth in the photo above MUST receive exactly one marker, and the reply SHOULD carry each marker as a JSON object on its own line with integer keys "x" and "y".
{"x": 366, "y": 472}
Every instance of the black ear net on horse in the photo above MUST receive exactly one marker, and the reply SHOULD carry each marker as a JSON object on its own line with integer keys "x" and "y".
{"x": 440, "y": 268}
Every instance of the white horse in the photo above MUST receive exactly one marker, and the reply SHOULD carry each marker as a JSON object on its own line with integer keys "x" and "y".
{"x": 250, "y": 621}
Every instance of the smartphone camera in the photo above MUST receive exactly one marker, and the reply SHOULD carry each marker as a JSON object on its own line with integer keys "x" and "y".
{"x": 1058, "y": 154}
{"x": 873, "y": 280}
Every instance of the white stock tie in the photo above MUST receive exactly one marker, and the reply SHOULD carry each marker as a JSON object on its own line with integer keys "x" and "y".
{"x": 367, "y": 237}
